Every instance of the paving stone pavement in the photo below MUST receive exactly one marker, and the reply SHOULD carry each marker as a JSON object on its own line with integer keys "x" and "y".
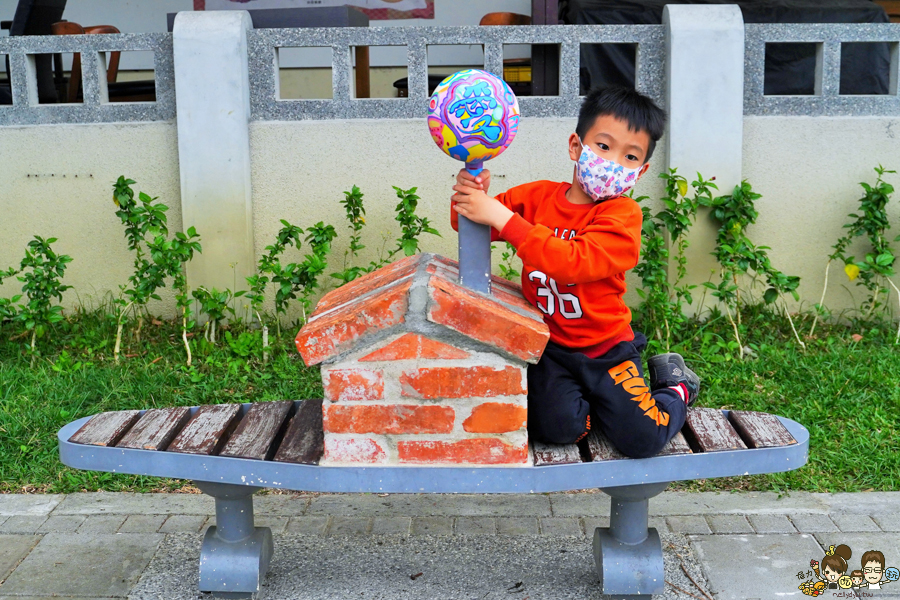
{"x": 740, "y": 546}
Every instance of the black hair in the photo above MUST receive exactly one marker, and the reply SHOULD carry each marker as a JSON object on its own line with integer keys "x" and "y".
{"x": 627, "y": 104}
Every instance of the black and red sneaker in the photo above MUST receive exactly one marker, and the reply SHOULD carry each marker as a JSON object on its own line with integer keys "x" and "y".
{"x": 668, "y": 370}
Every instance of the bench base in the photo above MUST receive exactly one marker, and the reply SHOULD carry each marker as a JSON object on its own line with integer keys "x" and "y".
{"x": 622, "y": 567}
{"x": 628, "y": 555}
{"x": 235, "y": 555}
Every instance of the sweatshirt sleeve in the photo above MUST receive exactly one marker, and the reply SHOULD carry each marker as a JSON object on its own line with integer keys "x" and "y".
{"x": 506, "y": 199}
{"x": 609, "y": 244}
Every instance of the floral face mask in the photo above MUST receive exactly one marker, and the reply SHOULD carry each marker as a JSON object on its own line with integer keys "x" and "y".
{"x": 602, "y": 179}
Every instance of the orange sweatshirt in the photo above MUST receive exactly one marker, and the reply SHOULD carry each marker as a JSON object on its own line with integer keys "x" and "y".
{"x": 575, "y": 257}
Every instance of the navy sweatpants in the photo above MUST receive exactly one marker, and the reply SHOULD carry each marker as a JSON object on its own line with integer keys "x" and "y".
{"x": 566, "y": 386}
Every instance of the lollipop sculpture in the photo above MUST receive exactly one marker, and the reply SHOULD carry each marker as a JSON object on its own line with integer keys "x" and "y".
{"x": 473, "y": 116}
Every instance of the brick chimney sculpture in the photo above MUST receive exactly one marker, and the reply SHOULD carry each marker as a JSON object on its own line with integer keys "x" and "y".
{"x": 418, "y": 369}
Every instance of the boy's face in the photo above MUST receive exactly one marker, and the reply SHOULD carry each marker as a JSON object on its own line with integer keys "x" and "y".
{"x": 610, "y": 138}
{"x": 872, "y": 571}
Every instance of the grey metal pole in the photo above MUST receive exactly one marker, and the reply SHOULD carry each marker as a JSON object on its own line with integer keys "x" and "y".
{"x": 474, "y": 255}
{"x": 474, "y": 248}
{"x": 234, "y": 518}
{"x": 628, "y": 520}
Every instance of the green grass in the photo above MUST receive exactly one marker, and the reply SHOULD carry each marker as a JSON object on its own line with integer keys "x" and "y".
{"x": 77, "y": 378}
{"x": 846, "y": 393}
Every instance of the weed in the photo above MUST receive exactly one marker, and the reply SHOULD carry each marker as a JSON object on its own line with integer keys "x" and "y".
{"x": 738, "y": 256}
{"x": 664, "y": 299}
{"x": 41, "y": 271}
{"x": 140, "y": 219}
{"x": 876, "y": 267}
{"x": 356, "y": 218}
{"x": 214, "y": 304}
{"x": 507, "y": 268}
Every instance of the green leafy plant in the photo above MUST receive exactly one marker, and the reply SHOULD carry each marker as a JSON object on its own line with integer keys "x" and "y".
{"x": 214, "y": 304}
{"x": 663, "y": 296}
{"x": 290, "y": 279}
{"x": 411, "y": 227}
{"x": 738, "y": 256}
{"x": 356, "y": 217}
{"x": 507, "y": 267}
{"x": 8, "y": 309}
{"x": 303, "y": 278}
{"x": 875, "y": 270}
{"x": 288, "y": 235}
{"x": 141, "y": 219}
{"x": 172, "y": 256}
{"x": 41, "y": 272}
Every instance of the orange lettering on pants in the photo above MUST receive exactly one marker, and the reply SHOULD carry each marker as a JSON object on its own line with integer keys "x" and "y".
{"x": 628, "y": 376}
{"x": 626, "y": 370}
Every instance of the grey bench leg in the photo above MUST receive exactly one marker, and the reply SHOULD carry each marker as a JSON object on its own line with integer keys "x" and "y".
{"x": 627, "y": 554}
{"x": 235, "y": 555}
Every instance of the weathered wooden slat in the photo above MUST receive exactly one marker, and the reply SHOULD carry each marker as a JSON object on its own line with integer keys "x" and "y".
{"x": 677, "y": 445}
{"x": 105, "y": 429}
{"x": 207, "y": 430}
{"x": 156, "y": 429}
{"x": 600, "y": 448}
{"x": 304, "y": 441}
{"x": 760, "y": 430}
{"x": 257, "y": 431}
{"x": 712, "y": 431}
{"x": 555, "y": 454}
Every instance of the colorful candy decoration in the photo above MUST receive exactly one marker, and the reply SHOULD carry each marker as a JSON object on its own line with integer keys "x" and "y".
{"x": 473, "y": 116}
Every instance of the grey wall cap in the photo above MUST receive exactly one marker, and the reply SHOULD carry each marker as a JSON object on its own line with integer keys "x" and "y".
{"x": 96, "y": 107}
{"x": 827, "y": 101}
{"x": 266, "y": 104}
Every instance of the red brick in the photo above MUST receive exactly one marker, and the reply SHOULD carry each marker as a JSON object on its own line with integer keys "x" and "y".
{"x": 338, "y": 331}
{"x": 396, "y": 418}
{"x": 486, "y": 320}
{"x": 462, "y": 382}
{"x": 368, "y": 283}
{"x": 359, "y": 450}
{"x": 342, "y": 385}
{"x": 504, "y": 290}
{"x": 483, "y": 451}
{"x": 496, "y": 417}
{"x": 413, "y": 346}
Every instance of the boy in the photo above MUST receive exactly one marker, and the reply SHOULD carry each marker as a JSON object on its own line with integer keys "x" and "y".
{"x": 873, "y": 568}
{"x": 576, "y": 242}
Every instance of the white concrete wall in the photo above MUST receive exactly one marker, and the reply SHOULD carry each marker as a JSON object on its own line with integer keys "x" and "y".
{"x": 41, "y": 195}
{"x": 807, "y": 169}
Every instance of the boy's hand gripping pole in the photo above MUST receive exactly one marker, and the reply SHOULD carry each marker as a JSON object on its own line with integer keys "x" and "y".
{"x": 474, "y": 248}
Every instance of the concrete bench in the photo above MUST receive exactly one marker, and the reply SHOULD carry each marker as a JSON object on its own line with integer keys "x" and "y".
{"x": 232, "y": 450}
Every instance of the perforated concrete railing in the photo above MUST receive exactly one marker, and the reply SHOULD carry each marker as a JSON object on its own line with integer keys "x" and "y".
{"x": 826, "y": 98}
{"x": 263, "y": 43}
{"x": 650, "y": 41}
{"x": 96, "y": 107}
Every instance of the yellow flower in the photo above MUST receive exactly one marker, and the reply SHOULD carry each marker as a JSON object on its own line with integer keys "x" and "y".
{"x": 852, "y": 271}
